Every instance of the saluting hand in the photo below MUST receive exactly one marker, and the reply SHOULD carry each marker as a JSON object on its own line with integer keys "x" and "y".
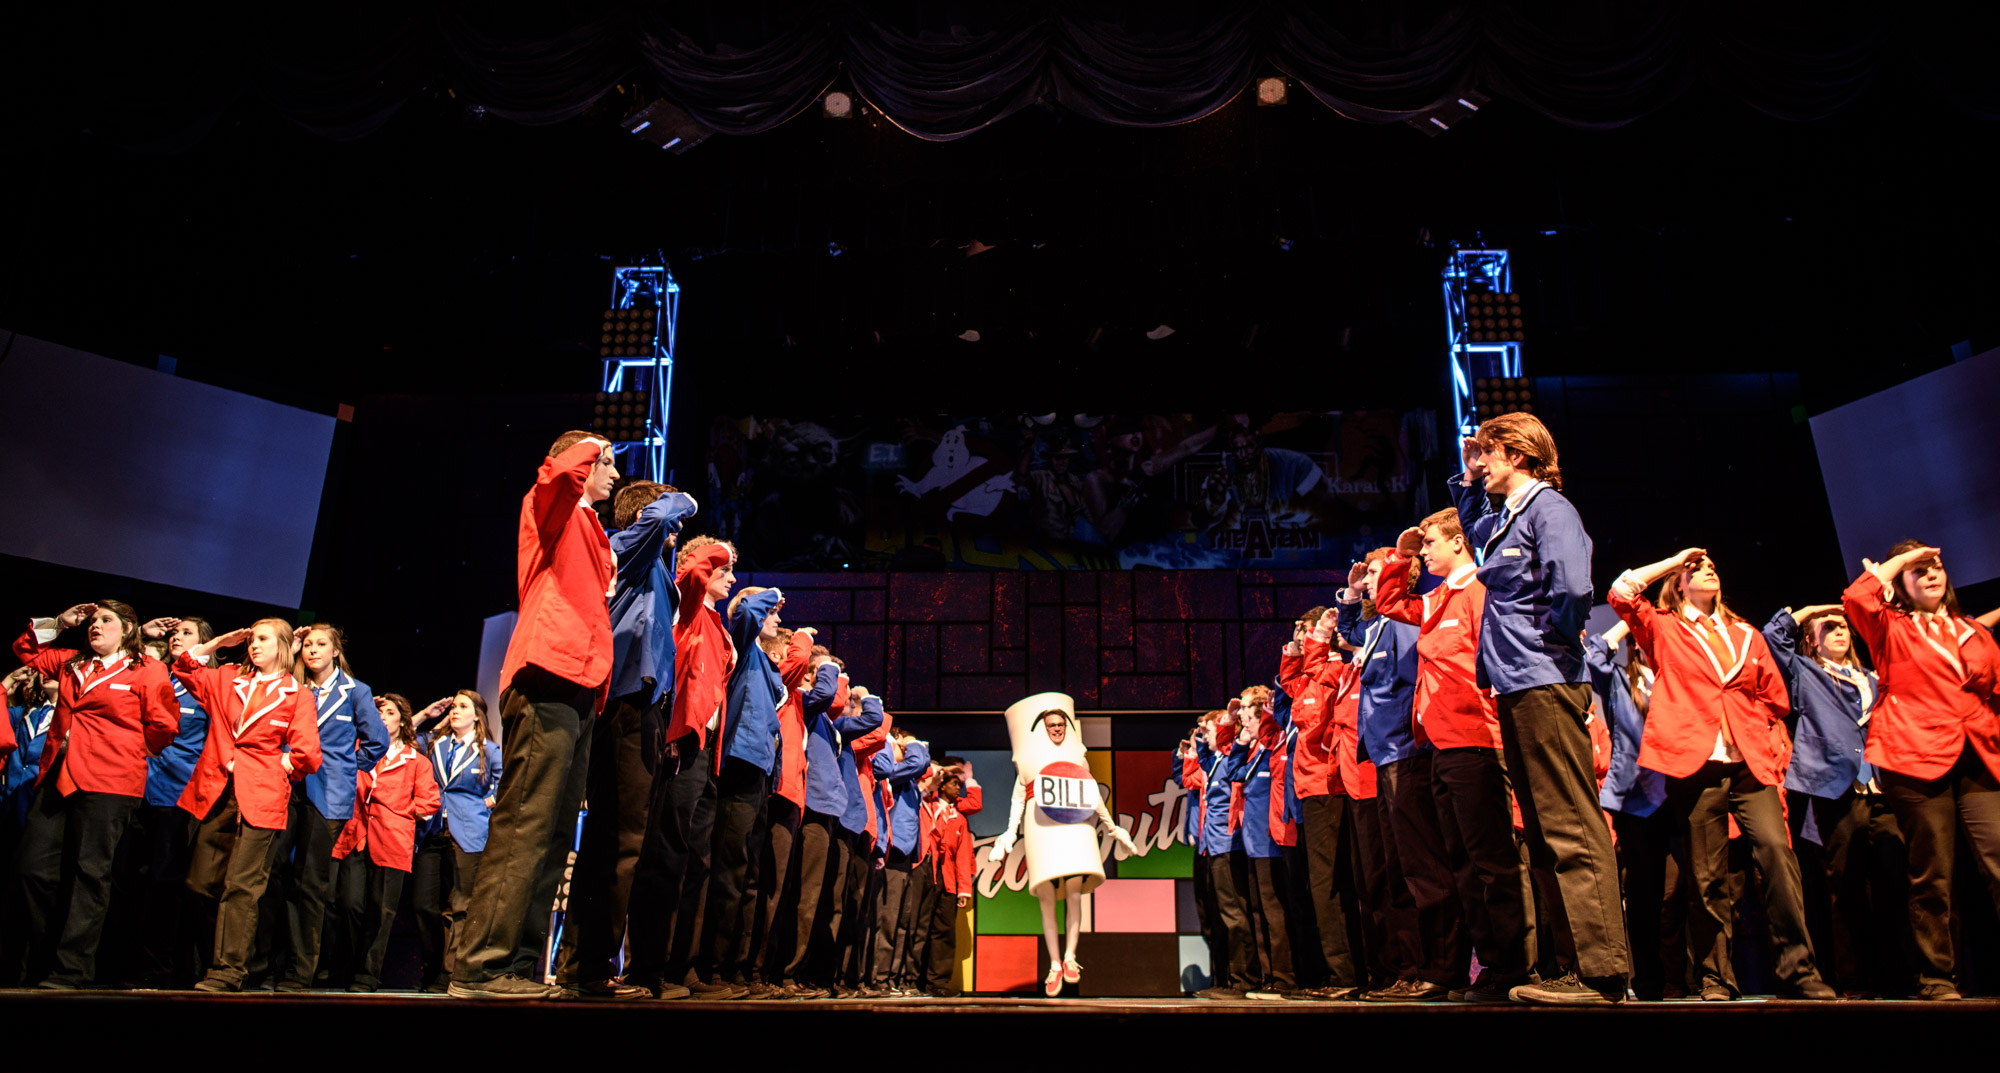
{"x": 158, "y": 628}
{"x": 1409, "y": 543}
{"x": 1470, "y": 451}
{"x": 76, "y": 616}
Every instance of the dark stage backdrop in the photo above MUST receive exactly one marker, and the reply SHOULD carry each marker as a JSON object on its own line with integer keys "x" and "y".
{"x": 1046, "y": 492}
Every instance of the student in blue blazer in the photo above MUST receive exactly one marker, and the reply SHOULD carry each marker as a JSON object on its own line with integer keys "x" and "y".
{"x": 466, "y": 760}
{"x": 1535, "y": 563}
{"x": 626, "y": 741}
{"x": 31, "y": 707}
{"x": 161, "y": 839}
{"x": 829, "y": 770}
{"x": 1633, "y": 795}
{"x": 1423, "y": 900}
{"x": 1836, "y": 801}
{"x": 352, "y": 739}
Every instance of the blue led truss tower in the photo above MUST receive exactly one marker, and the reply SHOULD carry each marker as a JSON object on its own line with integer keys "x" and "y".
{"x": 646, "y": 368}
{"x": 1481, "y": 350}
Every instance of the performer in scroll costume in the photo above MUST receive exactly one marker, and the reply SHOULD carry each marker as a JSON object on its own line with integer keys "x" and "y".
{"x": 1058, "y": 799}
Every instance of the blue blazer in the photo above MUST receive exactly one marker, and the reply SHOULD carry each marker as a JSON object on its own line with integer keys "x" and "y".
{"x": 642, "y": 602}
{"x": 854, "y": 815}
{"x": 829, "y": 767}
{"x": 1628, "y": 788}
{"x": 1216, "y": 838}
{"x": 463, "y": 789}
{"x": 1831, "y": 714}
{"x": 756, "y": 689}
{"x": 351, "y": 738}
{"x": 905, "y": 798}
{"x": 168, "y": 773}
{"x": 17, "y": 783}
{"x": 1388, "y": 653}
{"x": 1535, "y": 564}
{"x": 1253, "y": 837}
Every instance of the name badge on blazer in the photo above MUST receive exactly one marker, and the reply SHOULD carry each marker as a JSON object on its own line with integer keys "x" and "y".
{"x": 343, "y": 719}
{"x": 1378, "y": 655}
{"x": 119, "y": 685}
{"x": 1513, "y": 552}
{"x": 1447, "y": 622}
{"x": 280, "y": 723}
{"x": 1263, "y": 774}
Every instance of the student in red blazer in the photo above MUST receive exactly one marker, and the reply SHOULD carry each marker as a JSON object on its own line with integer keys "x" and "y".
{"x": 114, "y": 708}
{"x": 948, "y": 863}
{"x": 263, "y": 735}
{"x": 1935, "y": 736}
{"x": 552, "y": 683}
{"x": 1386, "y": 921}
{"x": 776, "y": 865}
{"x": 670, "y": 878}
{"x": 1469, "y": 781}
{"x": 1715, "y": 728}
{"x": 380, "y": 842}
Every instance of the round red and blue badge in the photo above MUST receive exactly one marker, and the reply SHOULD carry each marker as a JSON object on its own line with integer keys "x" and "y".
{"x": 1066, "y": 792}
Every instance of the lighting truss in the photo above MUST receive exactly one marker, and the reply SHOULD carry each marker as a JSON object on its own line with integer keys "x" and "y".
{"x": 632, "y": 287}
{"x": 1470, "y": 272}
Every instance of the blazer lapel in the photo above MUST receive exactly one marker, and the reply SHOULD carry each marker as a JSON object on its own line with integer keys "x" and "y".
{"x": 283, "y": 690}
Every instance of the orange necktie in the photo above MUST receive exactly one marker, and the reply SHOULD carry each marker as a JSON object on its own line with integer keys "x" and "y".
{"x": 1724, "y": 658}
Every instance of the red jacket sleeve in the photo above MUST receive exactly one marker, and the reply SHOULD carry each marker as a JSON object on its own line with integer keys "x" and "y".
{"x": 1868, "y": 613}
{"x": 7, "y": 742}
{"x": 964, "y": 859}
{"x": 1770, "y": 685}
{"x": 47, "y": 662}
{"x": 1393, "y": 598}
{"x": 206, "y": 683}
{"x": 971, "y": 801}
{"x": 425, "y": 799}
{"x": 559, "y": 486}
{"x": 302, "y": 737}
{"x": 1292, "y": 677}
{"x": 159, "y": 712}
{"x": 797, "y": 659}
{"x": 1639, "y": 614}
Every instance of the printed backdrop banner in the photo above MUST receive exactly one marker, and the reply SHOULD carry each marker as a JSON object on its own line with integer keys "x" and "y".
{"x": 1171, "y": 491}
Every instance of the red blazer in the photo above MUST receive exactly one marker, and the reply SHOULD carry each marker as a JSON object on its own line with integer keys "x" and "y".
{"x": 948, "y": 845}
{"x": 704, "y": 655}
{"x": 252, "y": 722}
{"x": 793, "y": 668}
{"x": 564, "y": 571}
{"x": 1937, "y": 688}
{"x": 393, "y": 797}
{"x": 1693, "y": 694}
{"x": 1357, "y": 775}
{"x": 865, "y": 747}
{"x": 112, "y": 720}
{"x": 1450, "y": 709}
{"x": 1308, "y": 680}
{"x": 1283, "y": 831}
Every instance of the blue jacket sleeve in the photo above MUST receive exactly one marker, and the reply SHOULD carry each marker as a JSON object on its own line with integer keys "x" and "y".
{"x": 371, "y": 737}
{"x": 638, "y": 544}
{"x": 1782, "y": 635}
{"x": 826, "y": 683}
{"x": 1352, "y": 628}
{"x": 1597, "y": 657}
{"x": 851, "y": 727}
{"x": 1475, "y": 512}
{"x": 916, "y": 758}
{"x": 1564, "y": 547}
{"x": 492, "y": 769}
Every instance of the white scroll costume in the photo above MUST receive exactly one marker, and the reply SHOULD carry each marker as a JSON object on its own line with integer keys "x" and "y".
{"x": 1061, "y": 803}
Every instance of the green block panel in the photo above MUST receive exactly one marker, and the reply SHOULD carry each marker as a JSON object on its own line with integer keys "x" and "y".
{"x": 1174, "y": 862}
{"x": 1011, "y": 912}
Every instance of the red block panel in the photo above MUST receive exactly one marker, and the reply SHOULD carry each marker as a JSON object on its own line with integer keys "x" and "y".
{"x": 1010, "y": 605}
{"x": 940, "y": 598}
{"x": 1162, "y": 646}
{"x": 920, "y": 667}
{"x": 1114, "y": 609}
{"x": 1045, "y": 671}
{"x": 962, "y": 649}
{"x": 810, "y": 607}
{"x": 1079, "y": 587}
{"x": 1007, "y": 963}
{"x": 1080, "y": 654}
{"x": 980, "y": 692}
{"x": 1115, "y": 661}
{"x": 1124, "y": 692}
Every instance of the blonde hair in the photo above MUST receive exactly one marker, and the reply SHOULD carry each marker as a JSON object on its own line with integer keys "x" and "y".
{"x": 283, "y": 632}
{"x": 339, "y": 648}
{"x": 1671, "y": 598}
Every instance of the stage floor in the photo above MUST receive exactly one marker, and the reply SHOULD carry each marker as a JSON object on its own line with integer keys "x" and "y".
{"x": 983, "y": 1030}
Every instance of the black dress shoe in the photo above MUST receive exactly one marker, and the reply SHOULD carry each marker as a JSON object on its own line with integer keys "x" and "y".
{"x": 1813, "y": 990}
{"x": 1396, "y": 992}
{"x": 1425, "y": 991}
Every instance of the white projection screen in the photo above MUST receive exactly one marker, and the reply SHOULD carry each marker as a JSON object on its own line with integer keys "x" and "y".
{"x": 1916, "y": 461}
{"x": 145, "y": 475}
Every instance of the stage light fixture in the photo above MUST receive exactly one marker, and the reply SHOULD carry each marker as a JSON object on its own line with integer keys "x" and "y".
{"x": 622, "y": 416}
{"x": 628, "y": 333}
{"x": 1496, "y": 395}
{"x": 1272, "y": 91}
{"x": 837, "y": 105}
{"x": 1494, "y": 318}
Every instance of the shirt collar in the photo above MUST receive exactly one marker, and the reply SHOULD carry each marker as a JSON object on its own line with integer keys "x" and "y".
{"x": 1515, "y": 497}
{"x": 1693, "y": 614}
{"x": 1462, "y": 576}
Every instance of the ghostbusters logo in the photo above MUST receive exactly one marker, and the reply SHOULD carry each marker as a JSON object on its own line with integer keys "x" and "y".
{"x": 1066, "y": 792}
